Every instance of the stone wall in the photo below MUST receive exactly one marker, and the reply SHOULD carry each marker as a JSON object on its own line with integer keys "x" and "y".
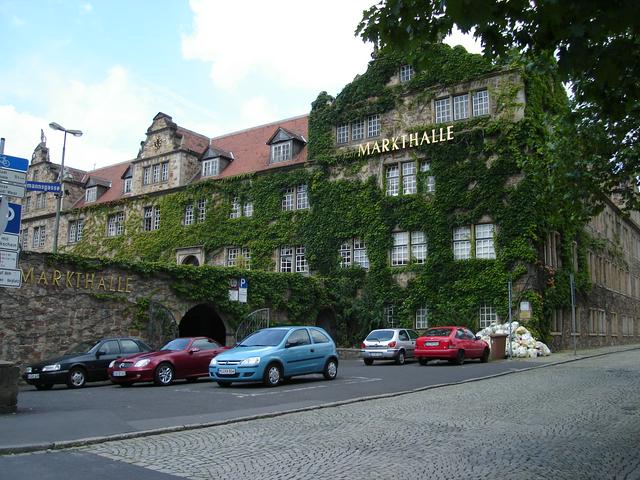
{"x": 59, "y": 305}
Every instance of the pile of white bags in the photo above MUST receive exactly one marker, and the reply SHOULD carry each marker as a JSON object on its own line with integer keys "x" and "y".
{"x": 523, "y": 345}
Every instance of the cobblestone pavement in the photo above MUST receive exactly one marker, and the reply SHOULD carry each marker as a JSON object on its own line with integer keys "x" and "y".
{"x": 576, "y": 420}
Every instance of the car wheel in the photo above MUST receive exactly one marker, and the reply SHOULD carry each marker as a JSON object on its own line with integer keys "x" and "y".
{"x": 400, "y": 358}
{"x": 460, "y": 357}
{"x": 77, "y": 378}
{"x": 368, "y": 361}
{"x": 423, "y": 361}
{"x": 272, "y": 375}
{"x": 485, "y": 356}
{"x": 44, "y": 386}
{"x": 224, "y": 384}
{"x": 164, "y": 374}
{"x": 330, "y": 371}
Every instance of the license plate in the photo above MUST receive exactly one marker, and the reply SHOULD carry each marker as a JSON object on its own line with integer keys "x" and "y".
{"x": 376, "y": 354}
{"x": 33, "y": 376}
{"x": 119, "y": 373}
{"x": 227, "y": 371}
{"x": 430, "y": 344}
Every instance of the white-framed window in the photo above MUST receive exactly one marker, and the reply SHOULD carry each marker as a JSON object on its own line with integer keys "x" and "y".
{"x": 408, "y": 246}
{"x": 373, "y": 126}
{"x": 461, "y": 106}
{"x": 247, "y": 209}
{"x": 126, "y": 185}
{"x": 480, "y": 103}
{"x": 422, "y": 318}
{"x": 41, "y": 200}
{"x": 39, "y": 236}
{"x": 280, "y": 152}
{"x": 239, "y": 257}
{"x": 165, "y": 171}
{"x": 146, "y": 175}
{"x": 151, "y": 220}
{"x": 156, "y": 173}
{"x": 357, "y": 129}
{"x": 443, "y": 110}
{"x": 24, "y": 238}
{"x": 406, "y": 73}
{"x": 354, "y": 252}
{"x": 393, "y": 180}
{"x": 430, "y": 180}
{"x": 202, "y": 209}
{"x": 90, "y": 194}
{"x": 287, "y": 199}
{"x": 409, "y": 183}
{"x": 188, "y": 215}
{"x": 115, "y": 224}
{"x": 302, "y": 197}
{"x": 342, "y": 133}
{"x": 390, "y": 315}
{"x": 487, "y": 315}
{"x": 236, "y": 209}
{"x": 484, "y": 241}
{"x": 210, "y": 167}
{"x": 296, "y": 198}
{"x": 462, "y": 243}
{"x": 293, "y": 259}
{"x": 286, "y": 259}
{"x": 301, "y": 261}
{"x": 75, "y": 230}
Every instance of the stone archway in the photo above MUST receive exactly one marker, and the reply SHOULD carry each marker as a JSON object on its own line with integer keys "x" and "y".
{"x": 327, "y": 319}
{"x": 191, "y": 260}
{"x": 203, "y": 320}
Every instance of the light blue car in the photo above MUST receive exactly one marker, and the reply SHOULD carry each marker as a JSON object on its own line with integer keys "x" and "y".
{"x": 275, "y": 354}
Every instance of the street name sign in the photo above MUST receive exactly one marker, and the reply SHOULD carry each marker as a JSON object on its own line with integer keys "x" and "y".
{"x": 9, "y": 241}
{"x": 10, "y": 278}
{"x": 43, "y": 187}
{"x": 12, "y": 176}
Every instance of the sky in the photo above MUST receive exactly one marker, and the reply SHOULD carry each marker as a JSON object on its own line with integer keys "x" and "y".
{"x": 107, "y": 67}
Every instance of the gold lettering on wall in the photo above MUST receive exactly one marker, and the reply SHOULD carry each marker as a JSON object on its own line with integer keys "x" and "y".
{"x": 412, "y": 140}
{"x": 64, "y": 279}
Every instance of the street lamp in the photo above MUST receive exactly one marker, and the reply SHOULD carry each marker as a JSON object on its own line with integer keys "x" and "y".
{"x": 75, "y": 133}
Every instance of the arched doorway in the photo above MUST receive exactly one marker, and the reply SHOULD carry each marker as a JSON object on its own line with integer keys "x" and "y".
{"x": 327, "y": 319}
{"x": 203, "y": 320}
{"x": 191, "y": 260}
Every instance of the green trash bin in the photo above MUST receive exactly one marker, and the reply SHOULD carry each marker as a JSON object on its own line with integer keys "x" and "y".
{"x": 498, "y": 345}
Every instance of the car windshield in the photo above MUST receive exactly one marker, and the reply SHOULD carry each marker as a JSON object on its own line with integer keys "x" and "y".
{"x": 264, "y": 338}
{"x": 177, "y": 344}
{"x": 380, "y": 335}
{"x": 82, "y": 347}
{"x": 438, "y": 332}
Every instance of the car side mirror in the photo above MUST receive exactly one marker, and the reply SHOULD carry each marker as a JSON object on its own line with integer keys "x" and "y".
{"x": 478, "y": 337}
{"x": 99, "y": 353}
{"x": 194, "y": 350}
{"x": 290, "y": 344}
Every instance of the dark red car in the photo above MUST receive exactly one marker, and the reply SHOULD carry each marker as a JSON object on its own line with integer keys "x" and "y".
{"x": 186, "y": 358}
{"x": 455, "y": 344}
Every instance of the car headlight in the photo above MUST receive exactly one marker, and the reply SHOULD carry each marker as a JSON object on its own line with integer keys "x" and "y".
{"x": 250, "y": 362}
{"x": 113, "y": 362}
{"x": 27, "y": 370}
{"x": 51, "y": 368}
{"x": 213, "y": 362}
{"x": 142, "y": 363}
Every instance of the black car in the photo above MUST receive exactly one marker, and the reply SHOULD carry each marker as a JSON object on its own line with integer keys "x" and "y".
{"x": 84, "y": 362}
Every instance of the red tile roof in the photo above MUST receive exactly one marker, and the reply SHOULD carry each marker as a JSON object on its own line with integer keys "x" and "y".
{"x": 112, "y": 173}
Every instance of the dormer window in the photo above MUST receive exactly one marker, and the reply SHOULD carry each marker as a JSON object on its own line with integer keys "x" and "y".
{"x": 211, "y": 167}
{"x": 280, "y": 152}
{"x": 126, "y": 187}
{"x": 285, "y": 145}
{"x": 91, "y": 194}
{"x": 127, "y": 180}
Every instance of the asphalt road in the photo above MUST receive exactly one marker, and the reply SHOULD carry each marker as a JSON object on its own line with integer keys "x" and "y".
{"x": 103, "y": 409}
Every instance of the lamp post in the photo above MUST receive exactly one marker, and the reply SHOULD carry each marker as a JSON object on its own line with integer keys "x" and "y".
{"x": 75, "y": 133}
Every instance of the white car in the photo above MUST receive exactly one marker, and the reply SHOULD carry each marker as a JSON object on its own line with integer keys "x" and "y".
{"x": 389, "y": 344}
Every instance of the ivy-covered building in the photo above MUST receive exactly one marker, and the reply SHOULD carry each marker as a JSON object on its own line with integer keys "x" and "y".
{"x": 411, "y": 198}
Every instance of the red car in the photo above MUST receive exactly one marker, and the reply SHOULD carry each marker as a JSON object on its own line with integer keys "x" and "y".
{"x": 186, "y": 358}
{"x": 455, "y": 344}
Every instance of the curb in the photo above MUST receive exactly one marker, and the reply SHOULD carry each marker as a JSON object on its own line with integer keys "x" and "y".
{"x": 68, "y": 444}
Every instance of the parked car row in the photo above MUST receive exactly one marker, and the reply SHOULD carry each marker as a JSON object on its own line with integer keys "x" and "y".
{"x": 270, "y": 356}
{"x": 455, "y": 344}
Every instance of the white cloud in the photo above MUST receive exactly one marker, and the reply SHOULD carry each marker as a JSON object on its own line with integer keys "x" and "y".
{"x": 309, "y": 45}
{"x": 87, "y": 8}
{"x": 257, "y": 111}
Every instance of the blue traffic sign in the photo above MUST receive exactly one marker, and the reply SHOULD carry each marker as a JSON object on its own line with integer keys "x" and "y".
{"x": 244, "y": 283}
{"x": 14, "y": 163}
{"x": 43, "y": 186}
{"x": 13, "y": 225}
